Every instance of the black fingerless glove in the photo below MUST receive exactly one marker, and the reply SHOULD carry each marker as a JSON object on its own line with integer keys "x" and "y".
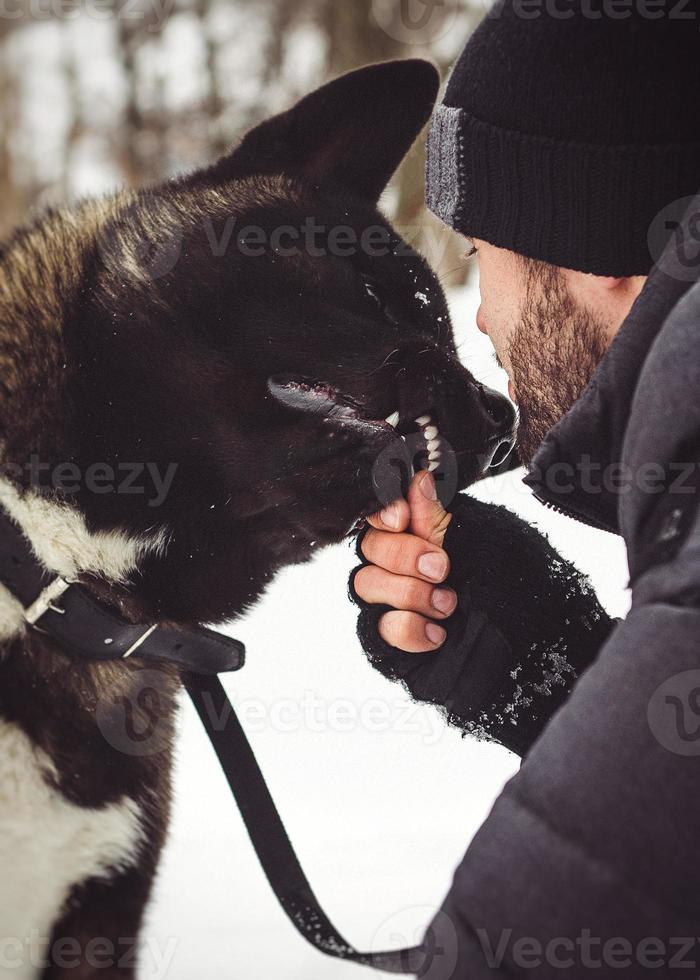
{"x": 526, "y": 625}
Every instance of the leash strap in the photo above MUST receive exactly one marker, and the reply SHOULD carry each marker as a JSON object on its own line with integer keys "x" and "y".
{"x": 269, "y": 838}
{"x": 84, "y": 627}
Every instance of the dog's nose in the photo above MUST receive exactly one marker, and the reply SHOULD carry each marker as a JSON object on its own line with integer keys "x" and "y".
{"x": 498, "y": 409}
{"x": 502, "y": 415}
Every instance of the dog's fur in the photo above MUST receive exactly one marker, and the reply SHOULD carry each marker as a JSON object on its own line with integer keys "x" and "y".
{"x": 132, "y": 331}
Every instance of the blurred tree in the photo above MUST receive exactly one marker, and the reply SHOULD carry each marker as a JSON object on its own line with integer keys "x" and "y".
{"x": 218, "y": 140}
{"x": 189, "y": 76}
{"x": 143, "y": 133}
{"x": 353, "y": 37}
{"x": 13, "y": 204}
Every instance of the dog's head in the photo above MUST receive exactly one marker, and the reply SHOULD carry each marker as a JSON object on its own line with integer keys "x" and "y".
{"x": 262, "y": 326}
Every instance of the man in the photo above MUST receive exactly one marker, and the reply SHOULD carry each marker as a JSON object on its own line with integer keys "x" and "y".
{"x": 564, "y": 138}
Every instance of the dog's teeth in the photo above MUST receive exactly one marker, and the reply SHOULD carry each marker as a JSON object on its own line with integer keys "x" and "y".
{"x": 433, "y": 466}
{"x": 433, "y": 445}
{"x": 430, "y": 432}
{"x": 393, "y": 419}
{"x": 423, "y": 420}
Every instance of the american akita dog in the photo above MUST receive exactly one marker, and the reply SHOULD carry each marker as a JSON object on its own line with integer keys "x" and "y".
{"x": 196, "y": 384}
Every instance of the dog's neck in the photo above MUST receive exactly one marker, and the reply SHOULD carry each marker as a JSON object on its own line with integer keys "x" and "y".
{"x": 66, "y": 547}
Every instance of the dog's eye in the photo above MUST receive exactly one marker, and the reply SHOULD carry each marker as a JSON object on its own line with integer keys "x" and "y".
{"x": 375, "y": 293}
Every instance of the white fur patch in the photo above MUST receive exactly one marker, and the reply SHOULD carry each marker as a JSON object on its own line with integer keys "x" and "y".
{"x": 60, "y": 538}
{"x": 48, "y": 845}
{"x": 11, "y": 615}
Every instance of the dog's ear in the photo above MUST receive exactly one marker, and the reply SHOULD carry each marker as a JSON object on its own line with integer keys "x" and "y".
{"x": 353, "y": 132}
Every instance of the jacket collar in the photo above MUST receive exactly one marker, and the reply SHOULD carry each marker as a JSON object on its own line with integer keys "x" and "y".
{"x": 577, "y": 469}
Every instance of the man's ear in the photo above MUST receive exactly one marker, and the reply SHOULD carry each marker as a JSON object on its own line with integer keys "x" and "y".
{"x": 353, "y": 132}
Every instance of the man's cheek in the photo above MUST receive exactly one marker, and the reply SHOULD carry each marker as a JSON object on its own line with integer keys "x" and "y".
{"x": 499, "y": 336}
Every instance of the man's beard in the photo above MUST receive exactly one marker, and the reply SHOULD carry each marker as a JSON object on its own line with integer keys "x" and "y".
{"x": 555, "y": 350}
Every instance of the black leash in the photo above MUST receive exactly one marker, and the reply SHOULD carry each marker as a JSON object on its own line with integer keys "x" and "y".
{"x": 269, "y": 837}
{"x": 81, "y": 625}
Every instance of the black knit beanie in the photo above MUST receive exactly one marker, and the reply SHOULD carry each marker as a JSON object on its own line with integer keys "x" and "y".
{"x": 567, "y": 126}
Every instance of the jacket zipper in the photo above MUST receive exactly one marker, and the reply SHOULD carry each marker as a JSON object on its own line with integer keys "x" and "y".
{"x": 574, "y": 514}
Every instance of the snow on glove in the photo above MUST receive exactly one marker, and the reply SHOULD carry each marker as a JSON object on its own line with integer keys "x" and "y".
{"x": 526, "y": 625}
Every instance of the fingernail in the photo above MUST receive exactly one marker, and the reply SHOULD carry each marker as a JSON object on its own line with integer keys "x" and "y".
{"x": 427, "y": 487}
{"x": 390, "y": 516}
{"x": 433, "y": 566}
{"x": 444, "y": 600}
{"x": 435, "y": 634}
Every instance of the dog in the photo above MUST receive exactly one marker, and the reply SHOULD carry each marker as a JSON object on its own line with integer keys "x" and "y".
{"x": 200, "y": 383}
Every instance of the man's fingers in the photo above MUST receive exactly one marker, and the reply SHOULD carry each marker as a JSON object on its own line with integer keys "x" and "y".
{"x": 429, "y": 519}
{"x": 405, "y": 554}
{"x": 410, "y": 632}
{"x": 377, "y": 586}
{"x": 394, "y": 517}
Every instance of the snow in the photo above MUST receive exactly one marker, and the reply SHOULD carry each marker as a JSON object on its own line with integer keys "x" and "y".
{"x": 380, "y": 798}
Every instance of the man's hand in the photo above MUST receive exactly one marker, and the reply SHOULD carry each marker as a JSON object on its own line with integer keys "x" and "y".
{"x": 404, "y": 546}
{"x": 523, "y": 622}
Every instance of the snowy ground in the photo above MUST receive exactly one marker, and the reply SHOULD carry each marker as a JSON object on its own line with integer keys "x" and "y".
{"x": 380, "y": 798}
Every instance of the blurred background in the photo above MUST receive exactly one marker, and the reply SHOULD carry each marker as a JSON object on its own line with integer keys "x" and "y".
{"x": 100, "y": 93}
{"x": 380, "y": 797}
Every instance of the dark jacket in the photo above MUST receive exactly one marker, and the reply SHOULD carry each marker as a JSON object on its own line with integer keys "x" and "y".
{"x": 589, "y": 863}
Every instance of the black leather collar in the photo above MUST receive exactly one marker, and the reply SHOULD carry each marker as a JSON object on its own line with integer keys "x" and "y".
{"x": 85, "y": 627}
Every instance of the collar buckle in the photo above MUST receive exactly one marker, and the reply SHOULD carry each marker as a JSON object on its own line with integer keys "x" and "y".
{"x": 46, "y": 601}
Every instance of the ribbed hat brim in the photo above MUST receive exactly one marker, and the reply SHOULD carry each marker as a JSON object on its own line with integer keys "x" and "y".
{"x": 575, "y": 205}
